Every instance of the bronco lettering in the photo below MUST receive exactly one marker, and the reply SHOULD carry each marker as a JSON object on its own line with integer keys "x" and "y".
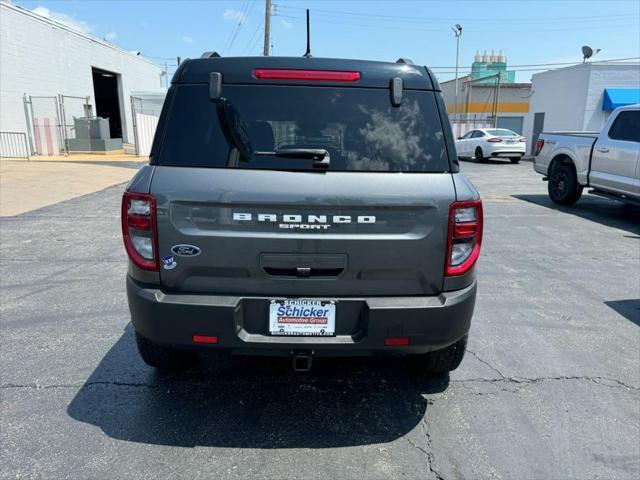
{"x": 296, "y": 221}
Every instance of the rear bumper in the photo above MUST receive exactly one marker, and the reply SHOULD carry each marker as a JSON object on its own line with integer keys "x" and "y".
{"x": 500, "y": 150}
{"x": 241, "y": 323}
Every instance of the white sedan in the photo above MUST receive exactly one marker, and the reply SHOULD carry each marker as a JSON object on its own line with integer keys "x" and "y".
{"x": 491, "y": 142}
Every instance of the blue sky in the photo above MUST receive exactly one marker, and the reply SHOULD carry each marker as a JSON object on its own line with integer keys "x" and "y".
{"x": 529, "y": 32}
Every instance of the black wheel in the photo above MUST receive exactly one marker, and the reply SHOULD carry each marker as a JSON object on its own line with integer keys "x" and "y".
{"x": 442, "y": 361}
{"x": 563, "y": 184}
{"x": 478, "y": 156}
{"x": 162, "y": 357}
{"x": 515, "y": 159}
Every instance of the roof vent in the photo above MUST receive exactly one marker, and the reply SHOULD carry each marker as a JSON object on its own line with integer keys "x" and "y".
{"x": 210, "y": 55}
{"x": 406, "y": 61}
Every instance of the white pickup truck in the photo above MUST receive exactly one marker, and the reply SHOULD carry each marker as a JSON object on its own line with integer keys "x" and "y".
{"x": 608, "y": 162}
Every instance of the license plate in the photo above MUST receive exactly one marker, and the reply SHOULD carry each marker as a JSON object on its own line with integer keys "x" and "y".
{"x": 302, "y": 317}
{"x": 511, "y": 141}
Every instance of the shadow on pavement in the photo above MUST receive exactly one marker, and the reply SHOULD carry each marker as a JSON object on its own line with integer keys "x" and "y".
{"x": 630, "y": 309}
{"x": 596, "y": 209}
{"x": 253, "y": 402}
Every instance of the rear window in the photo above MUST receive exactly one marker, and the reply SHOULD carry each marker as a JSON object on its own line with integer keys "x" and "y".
{"x": 502, "y": 132}
{"x": 358, "y": 127}
{"x": 626, "y": 126}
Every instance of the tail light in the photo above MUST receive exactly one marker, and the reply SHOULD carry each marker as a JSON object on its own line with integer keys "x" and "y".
{"x": 539, "y": 145}
{"x": 494, "y": 140}
{"x": 464, "y": 237}
{"x": 396, "y": 342}
{"x": 522, "y": 140}
{"x": 312, "y": 75}
{"x": 139, "y": 229}
{"x": 210, "y": 339}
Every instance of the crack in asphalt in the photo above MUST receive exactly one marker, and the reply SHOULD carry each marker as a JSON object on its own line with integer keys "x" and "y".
{"x": 486, "y": 363}
{"x": 428, "y": 452}
{"x": 430, "y": 458}
{"x": 613, "y": 383}
{"x": 523, "y": 380}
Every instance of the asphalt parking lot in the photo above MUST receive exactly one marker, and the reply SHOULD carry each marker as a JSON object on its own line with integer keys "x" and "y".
{"x": 550, "y": 386}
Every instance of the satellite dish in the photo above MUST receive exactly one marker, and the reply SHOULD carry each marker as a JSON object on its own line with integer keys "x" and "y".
{"x": 587, "y": 52}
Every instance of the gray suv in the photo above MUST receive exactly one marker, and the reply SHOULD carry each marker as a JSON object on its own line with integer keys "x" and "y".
{"x": 302, "y": 207}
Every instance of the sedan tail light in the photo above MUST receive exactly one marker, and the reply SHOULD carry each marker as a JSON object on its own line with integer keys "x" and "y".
{"x": 539, "y": 145}
{"x": 139, "y": 229}
{"x": 522, "y": 140}
{"x": 464, "y": 237}
{"x": 494, "y": 140}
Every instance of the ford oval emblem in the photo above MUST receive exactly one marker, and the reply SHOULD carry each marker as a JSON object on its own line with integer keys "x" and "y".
{"x": 185, "y": 250}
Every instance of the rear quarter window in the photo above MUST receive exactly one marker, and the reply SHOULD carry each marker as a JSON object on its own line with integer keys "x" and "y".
{"x": 626, "y": 126}
{"x": 359, "y": 128}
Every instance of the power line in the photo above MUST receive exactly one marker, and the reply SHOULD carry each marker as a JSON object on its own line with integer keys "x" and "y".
{"x": 242, "y": 17}
{"x": 252, "y": 38}
{"x": 551, "y": 64}
{"x": 249, "y": 11}
{"x": 492, "y": 19}
{"x": 440, "y": 72}
{"x": 442, "y": 29}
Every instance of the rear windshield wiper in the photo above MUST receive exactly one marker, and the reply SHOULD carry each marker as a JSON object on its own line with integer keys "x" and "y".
{"x": 319, "y": 156}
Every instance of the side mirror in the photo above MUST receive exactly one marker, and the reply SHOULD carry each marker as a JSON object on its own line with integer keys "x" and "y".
{"x": 459, "y": 138}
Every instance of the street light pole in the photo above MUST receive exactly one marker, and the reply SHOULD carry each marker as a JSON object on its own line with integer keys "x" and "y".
{"x": 457, "y": 30}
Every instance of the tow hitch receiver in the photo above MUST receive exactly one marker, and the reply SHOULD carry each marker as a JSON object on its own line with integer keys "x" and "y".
{"x": 302, "y": 361}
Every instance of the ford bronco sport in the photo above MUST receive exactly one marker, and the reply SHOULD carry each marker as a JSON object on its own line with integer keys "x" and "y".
{"x": 302, "y": 207}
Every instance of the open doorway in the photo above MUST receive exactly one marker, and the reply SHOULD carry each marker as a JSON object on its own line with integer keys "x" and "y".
{"x": 105, "y": 91}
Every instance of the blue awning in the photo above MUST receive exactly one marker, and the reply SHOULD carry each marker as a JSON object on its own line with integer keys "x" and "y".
{"x": 618, "y": 97}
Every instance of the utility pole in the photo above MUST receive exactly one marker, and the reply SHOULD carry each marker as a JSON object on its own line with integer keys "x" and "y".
{"x": 166, "y": 75}
{"x": 457, "y": 30}
{"x": 495, "y": 118}
{"x": 267, "y": 27}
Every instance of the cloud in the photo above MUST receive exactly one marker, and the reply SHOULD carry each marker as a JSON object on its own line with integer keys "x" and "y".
{"x": 187, "y": 39}
{"x": 111, "y": 36}
{"x": 234, "y": 15}
{"x": 68, "y": 20}
{"x": 286, "y": 24}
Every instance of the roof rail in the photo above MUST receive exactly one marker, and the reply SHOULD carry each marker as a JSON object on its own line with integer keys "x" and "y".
{"x": 210, "y": 55}
{"x": 406, "y": 61}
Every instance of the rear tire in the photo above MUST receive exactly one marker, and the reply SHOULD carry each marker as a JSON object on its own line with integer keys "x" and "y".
{"x": 515, "y": 159}
{"x": 444, "y": 360}
{"x": 563, "y": 184}
{"x": 162, "y": 357}
{"x": 478, "y": 156}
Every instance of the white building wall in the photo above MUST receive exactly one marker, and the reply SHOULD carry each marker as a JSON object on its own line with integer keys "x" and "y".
{"x": 571, "y": 97}
{"x": 561, "y": 95}
{"x": 42, "y": 57}
{"x": 606, "y": 76}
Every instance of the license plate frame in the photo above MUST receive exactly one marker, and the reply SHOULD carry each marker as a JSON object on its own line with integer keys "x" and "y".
{"x": 304, "y": 317}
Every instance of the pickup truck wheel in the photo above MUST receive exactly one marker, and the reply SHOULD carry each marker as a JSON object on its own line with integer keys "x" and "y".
{"x": 563, "y": 184}
{"x": 478, "y": 156}
{"x": 445, "y": 360}
{"x": 162, "y": 357}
